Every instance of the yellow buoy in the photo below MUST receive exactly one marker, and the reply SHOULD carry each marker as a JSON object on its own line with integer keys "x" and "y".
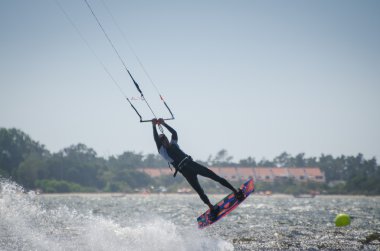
{"x": 342, "y": 220}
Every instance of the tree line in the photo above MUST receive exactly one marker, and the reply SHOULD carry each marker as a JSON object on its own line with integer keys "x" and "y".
{"x": 78, "y": 168}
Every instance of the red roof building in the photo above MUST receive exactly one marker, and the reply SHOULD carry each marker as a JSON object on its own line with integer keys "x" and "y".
{"x": 229, "y": 173}
{"x": 152, "y": 172}
{"x": 315, "y": 174}
{"x": 297, "y": 173}
{"x": 245, "y": 173}
{"x": 280, "y": 173}
{"x": 265, "y": 174}
{"x": 215, "y": 170}
{"x": 167, "y": 171}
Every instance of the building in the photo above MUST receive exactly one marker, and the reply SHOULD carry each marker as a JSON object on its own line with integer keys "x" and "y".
{"x": 280, "y": 173}
{"x": 315, "y": 174}
{"x": 245, "y": 173}
{"x": 264, "y": 174}
{"x": 298, "y": 174}
{"x": 229, "y": 173}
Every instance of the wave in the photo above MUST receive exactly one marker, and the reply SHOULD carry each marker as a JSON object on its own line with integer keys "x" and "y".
{"x": 27, "y": 223}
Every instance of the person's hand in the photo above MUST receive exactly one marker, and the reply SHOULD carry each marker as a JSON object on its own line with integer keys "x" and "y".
{"x": 154, "y": 121}
{"x": 161, "y": 121}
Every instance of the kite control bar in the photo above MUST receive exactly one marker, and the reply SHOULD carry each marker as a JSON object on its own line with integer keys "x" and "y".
{"x": 143, "y": 98}
{"x": 150, "y": 120}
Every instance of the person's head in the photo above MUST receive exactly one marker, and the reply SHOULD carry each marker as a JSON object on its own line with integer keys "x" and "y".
{"x": 164, "y": 140}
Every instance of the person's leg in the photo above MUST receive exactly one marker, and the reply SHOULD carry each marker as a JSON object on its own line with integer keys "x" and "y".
{"x": 204, "y": 171}
{"x": 194, "y": 183}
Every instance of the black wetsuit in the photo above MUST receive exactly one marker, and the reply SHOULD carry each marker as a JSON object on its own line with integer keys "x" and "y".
{"x": 184, "y": 164}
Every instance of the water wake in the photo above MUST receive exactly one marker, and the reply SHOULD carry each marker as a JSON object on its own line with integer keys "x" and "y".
{"x": 28, "y": 224}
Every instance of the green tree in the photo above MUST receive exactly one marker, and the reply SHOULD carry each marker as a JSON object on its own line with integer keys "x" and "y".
{"x": 31, "y": 169}
{"x": 122, "y": 171}
{"x": 283, "y": 160}
{"x": 127, "y": 160}
{"x": 153, "y": 160}
{"x": 222, "y": 159}
{"x": 78, "y": 164}
{"x": 266, "y": 163}
{"x": 249, "y": 162}
{"x": 15, "y": 146}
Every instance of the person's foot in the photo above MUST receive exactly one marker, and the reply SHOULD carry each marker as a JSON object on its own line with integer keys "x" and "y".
{"x": 239, "y": 195}
{"x": 214, "y": 213}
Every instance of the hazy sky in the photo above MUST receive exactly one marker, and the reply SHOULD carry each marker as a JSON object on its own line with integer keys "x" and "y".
{"x": 253, "y": 77}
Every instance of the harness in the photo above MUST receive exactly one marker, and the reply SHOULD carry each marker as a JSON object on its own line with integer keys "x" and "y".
{"x": 181, "y": 164}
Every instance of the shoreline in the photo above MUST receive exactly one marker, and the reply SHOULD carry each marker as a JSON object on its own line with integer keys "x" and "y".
{"x": 120, "y": 195}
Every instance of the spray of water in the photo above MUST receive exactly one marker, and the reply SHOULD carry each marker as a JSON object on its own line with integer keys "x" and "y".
{"x": 26, "y": 223}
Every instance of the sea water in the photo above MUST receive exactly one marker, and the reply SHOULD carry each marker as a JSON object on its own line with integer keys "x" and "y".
{"x": 168, "y": 222}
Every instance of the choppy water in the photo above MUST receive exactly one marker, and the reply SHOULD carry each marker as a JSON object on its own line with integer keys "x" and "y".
{"x": 168, "y": 222}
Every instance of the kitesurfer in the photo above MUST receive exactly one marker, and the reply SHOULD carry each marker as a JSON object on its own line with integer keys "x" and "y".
{"x": 184, "y": 164}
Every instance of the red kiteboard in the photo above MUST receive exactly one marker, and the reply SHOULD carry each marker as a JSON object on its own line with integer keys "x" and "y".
{"x": 226, "y": 205}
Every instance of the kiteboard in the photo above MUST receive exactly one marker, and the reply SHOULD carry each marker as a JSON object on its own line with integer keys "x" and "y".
{"x": 226, "y": 205}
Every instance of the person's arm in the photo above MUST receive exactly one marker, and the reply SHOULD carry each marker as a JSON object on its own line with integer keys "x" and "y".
{"x": 170, "y": 129}
{"x": 155, "y": 134}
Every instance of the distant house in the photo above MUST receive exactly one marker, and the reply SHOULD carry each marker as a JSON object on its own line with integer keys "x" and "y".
{"x": 152, "y": 172}
{"x": 315, "y": 174}
{"x": 280, "y": 173}
{"x": 167, "y": 171}
{"x": 215, "y": 169}
{"x": 229, "y": 173}
{"x": 245, "y": 173}
{"x": 264, "y": 174}
{"x": 157, "y": 172}
{"x": 298, "y": 174}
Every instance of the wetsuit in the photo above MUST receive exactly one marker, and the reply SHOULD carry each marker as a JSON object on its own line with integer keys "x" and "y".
{"x": 184, "y": 164}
